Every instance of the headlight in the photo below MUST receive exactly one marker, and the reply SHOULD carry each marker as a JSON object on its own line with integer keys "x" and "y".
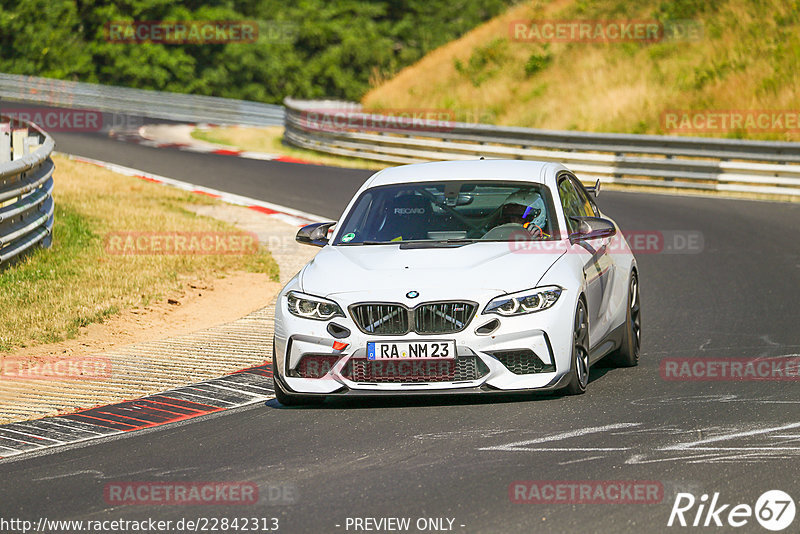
{"x": 528, "y": 301}
{"x": 311, "y": 307}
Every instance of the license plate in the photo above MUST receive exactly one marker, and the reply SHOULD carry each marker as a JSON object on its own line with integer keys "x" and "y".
{"x": 411, "y": 350}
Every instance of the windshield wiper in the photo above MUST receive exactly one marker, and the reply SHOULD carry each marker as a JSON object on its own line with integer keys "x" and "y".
{"x": 417, "y": 243}
{"x": 439, "y": 243}
{"x": 368, "y": 243}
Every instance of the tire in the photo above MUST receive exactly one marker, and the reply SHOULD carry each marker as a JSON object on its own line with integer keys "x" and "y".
{"x": 579, "y": 366}
{"x": 291, "y": 399}
{"x": 627, "y": 355}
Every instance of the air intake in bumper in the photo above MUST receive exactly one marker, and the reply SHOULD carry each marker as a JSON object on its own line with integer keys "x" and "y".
{"x": 314, "y": 365}
{"x": 415, "y": 371}
{"x": 522, "y": 362}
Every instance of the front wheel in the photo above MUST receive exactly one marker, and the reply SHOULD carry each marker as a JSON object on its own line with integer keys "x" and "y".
{"x": 579, "y": 371}
{"x": 627, "y": 355}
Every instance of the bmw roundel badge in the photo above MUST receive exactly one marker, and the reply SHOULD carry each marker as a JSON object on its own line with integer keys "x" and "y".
{"x": 412, "y": 294}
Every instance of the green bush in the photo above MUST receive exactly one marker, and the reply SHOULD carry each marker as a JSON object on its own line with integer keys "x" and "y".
{"x": 537, "y": 62}
{"x": 484, "y": 61}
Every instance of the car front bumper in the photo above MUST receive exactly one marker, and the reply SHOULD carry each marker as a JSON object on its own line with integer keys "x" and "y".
{"x": 546, "y": 333}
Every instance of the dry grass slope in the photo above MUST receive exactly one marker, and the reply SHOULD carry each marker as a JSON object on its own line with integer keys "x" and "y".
{"x": 748, "y": 58}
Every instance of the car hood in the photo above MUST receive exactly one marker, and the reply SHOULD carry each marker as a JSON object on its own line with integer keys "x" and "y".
{"x": 477, "y": 266}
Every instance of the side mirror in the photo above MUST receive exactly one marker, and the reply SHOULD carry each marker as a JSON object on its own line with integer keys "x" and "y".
{"x": 592, "y": 228}
{"x": 595, "y": 189}
{"x": 314, "y": 234}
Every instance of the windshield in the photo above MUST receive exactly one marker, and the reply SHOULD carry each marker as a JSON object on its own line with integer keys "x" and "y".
{"x": 450, "y": 211}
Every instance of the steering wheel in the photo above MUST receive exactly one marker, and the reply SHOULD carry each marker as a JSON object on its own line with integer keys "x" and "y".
{"x": 535, "y": 230}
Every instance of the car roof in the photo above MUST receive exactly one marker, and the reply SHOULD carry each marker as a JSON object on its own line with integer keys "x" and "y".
{"x": 487, "y": 169}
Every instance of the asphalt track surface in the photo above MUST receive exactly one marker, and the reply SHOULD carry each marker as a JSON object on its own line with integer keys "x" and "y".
{"x": 456, "y": 457}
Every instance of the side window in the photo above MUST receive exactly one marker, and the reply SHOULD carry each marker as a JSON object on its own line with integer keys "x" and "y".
{"x": 587, "y": 206}
{"x": 570, "y": 201}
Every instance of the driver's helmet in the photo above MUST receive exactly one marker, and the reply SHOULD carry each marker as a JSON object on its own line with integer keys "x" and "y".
{"x": 526, "y": 208}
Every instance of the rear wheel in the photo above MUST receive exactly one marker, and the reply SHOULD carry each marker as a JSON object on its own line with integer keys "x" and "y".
{"x": 291, "y": 399}
{"x": 627, "y": 355}
{"x": 580, "y": 353}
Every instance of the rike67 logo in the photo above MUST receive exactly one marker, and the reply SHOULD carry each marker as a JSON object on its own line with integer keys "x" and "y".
{"x": 774, "y": 510}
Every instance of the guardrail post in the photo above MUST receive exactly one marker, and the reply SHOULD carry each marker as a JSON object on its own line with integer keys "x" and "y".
{"x": 5, "y": 142}
{"x": 30, "y": 144}
{"x": 18, "y": 138}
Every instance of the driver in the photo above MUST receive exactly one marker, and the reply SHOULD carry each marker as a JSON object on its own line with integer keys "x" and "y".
{"x": 524, "y": 208}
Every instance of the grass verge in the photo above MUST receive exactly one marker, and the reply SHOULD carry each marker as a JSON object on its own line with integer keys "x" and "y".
{"x": 50, "y": 294}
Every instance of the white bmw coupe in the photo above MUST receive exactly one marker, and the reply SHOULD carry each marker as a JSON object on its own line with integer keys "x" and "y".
{"x": 458, "y": 277}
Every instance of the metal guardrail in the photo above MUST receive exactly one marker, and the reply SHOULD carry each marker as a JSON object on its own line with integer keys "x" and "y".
{"x": 26, "y": 187}
{"x": 698, "y": 163}
{"x": 140, "y": 102}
